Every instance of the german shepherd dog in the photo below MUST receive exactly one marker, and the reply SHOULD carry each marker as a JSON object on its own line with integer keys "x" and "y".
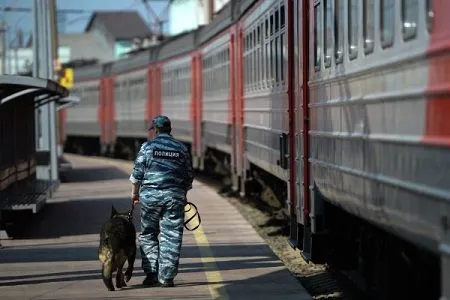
{"x": 117, "y": 244}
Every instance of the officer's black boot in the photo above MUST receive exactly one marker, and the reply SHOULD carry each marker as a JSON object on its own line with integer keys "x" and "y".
{"x": 151, "y": 280}
{"x": 167, "y": 284}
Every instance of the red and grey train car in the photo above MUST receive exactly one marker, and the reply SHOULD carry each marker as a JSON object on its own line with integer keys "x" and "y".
{"x": 340, "y": 106}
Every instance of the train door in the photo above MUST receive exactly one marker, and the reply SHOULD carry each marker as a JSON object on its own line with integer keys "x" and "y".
{"x": 300, "y": 215}
{"x": 240, "y": 108}
{"x": 237, "y": 102}
{"x": 232, "y": 107}
{"x": 292, "y": 143}
{"x": 196, "y": 107}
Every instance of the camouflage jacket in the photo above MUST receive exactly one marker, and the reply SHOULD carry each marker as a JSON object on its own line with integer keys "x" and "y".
{"x": 163, "y": 163}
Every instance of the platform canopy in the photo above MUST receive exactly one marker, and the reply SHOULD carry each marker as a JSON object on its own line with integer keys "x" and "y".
{"x": 42, "y": 91}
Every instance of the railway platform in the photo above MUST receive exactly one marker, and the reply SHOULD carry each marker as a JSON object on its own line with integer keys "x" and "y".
{"x": 55, "y": 255}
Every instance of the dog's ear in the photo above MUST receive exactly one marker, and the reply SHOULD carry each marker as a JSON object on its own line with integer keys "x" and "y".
{"x": 113, "y": 211}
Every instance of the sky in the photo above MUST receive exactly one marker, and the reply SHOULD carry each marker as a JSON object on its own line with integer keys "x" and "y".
{"x": 74, "y": 22}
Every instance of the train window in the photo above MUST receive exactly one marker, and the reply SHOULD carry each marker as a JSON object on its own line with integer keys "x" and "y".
{"x": 387, "y": 25}
{"x": 258, "y": 59}
{"x": 266, "y": 27}
{"x": 209, "y": 73}
{"x": 245, "y": 43}
{"x": 277, "y": 59}
{"x": 430, "y": 14}
{"x": 369, "y": 25}
{"x": 228, "y": 67}
{"x": 272, "y": 61}
{"x": 245, "y": 61}
{"x": 410, "y": 18}
{"x": 317, "y": 30}
{"x": 258, "y": 54}
{"x": 268, "y": 60}
{"x": 255, "y": 58}
{"x": 277, "y": 21}
{"x": 339, "y": 30}
{"x": 261, "y": 51}
{"x": 327, "y": 30}
{"x": 271, "y": 24}
{"x": 353, "y": 28}
{"x": 278, "y": 48}
{"x": 283, "y": 56}
{"x": 258, "y": 34}
{"x": 250, "y": 61}
{"x": 282, "y": 16}
{"x": 204, "y": 73}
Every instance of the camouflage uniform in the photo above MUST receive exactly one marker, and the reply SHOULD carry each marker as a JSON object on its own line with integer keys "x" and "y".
{"x": 164, "y": 171}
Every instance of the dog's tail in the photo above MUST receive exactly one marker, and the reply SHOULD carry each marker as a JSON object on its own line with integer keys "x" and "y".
{"x": 104, "y": 251}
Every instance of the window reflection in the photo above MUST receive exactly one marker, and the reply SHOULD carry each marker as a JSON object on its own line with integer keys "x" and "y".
{"x": 410, "y": 18}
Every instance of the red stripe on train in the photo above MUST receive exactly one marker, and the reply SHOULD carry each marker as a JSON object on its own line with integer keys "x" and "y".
{"x": 437, "y": 130}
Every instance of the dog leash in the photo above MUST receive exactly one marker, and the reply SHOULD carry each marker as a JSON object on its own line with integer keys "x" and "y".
{"x": 190, "y": 204}
{"x": 130, "y": 214}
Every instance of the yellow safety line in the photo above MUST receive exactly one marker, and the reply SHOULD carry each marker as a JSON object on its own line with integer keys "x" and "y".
{"x": 212, "y": 273}
{"x": 213, "y": 276}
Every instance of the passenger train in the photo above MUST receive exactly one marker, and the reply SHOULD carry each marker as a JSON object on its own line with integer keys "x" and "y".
{"x": 340, "y": 108}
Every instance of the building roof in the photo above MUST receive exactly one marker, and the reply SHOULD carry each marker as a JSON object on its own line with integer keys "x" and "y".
{"x": 85, "y": 46}
{"x": 123, "y": 25}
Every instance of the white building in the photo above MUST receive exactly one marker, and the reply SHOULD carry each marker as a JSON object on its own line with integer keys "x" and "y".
{"x": 186, "y": 15}
{"x": 219, "y": 4}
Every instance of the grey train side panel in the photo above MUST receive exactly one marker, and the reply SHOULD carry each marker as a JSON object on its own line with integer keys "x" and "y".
{"x": 266, "y": 104}
{"x": 90, "y": 129}
{"x": 179, "y": 45}
{"x": 137, "y": 61}
{"x": 182, "y": 130}
{"x": 132, "y": 128}
{"x": 88, "y": 73}
{"x": 217, "y": 136}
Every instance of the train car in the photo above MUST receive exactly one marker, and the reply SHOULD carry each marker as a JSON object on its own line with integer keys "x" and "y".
{"x": 129, "y": 89}
{"x": 215, "y": 114}
{"x": 265, "y": 102}
{"x": 175, "y": 68}
{"x": 82, "y": 128}
{"x": 336, "y": 108}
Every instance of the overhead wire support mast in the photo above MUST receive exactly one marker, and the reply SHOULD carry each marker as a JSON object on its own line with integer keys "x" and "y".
{"x": 158, "y": 20}
{"x": 44, "y": 39}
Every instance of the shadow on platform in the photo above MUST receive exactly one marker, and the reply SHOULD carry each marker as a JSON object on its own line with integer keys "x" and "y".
{"x": 73, "y": 217}
{"x": 241, "y": 257}
{"x": 235, "y": 289}
{"x": 94, "y": 174}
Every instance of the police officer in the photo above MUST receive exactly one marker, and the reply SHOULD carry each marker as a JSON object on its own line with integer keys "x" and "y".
{"x": 161, "y": 176}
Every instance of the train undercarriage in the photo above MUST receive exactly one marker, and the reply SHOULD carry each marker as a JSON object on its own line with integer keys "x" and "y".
{"x": 378, "y": 262}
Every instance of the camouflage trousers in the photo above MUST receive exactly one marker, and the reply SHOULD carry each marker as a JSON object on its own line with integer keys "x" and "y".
{"x": 162, "y": 214}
